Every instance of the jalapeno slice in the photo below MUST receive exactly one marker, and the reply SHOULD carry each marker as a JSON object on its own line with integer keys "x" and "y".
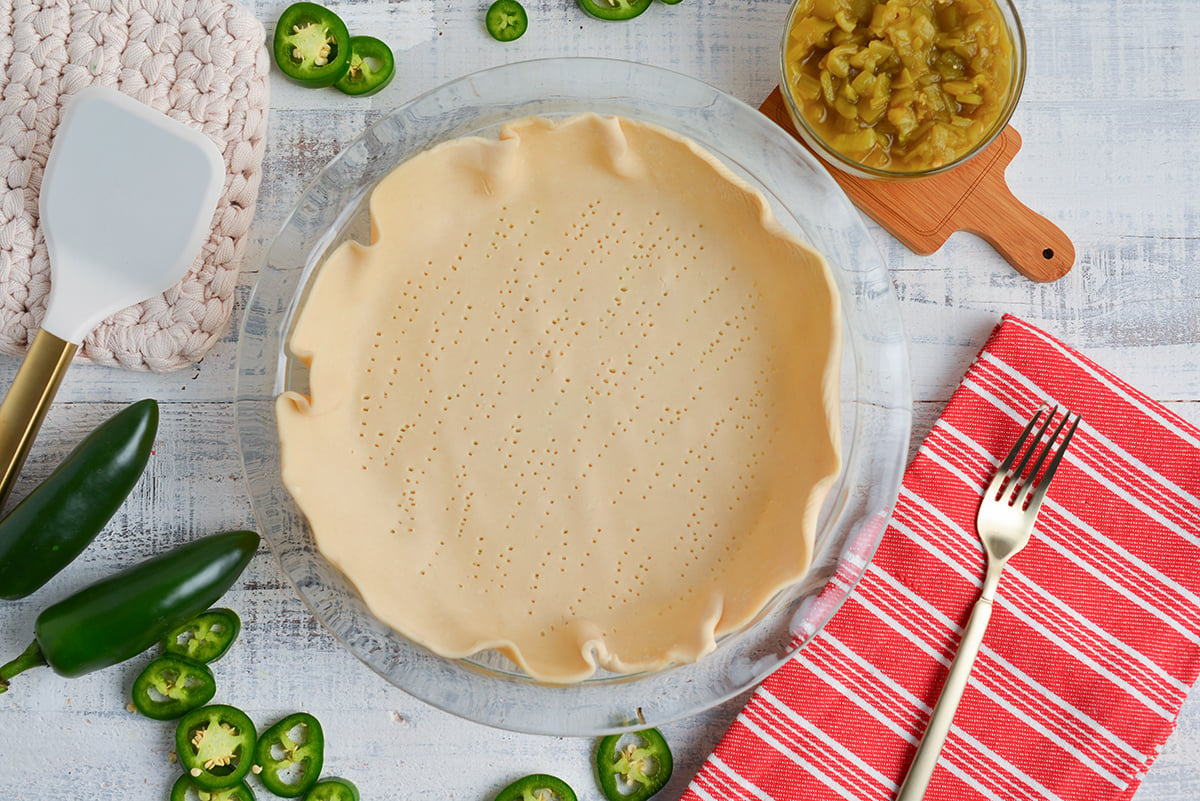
{"x": 633, "y": 767}
{"x": 614, "y": 9}
{"x": 185, "y": 789}
{"x": 169, "y": 686}
{"x": 311, "y": 45}
{"x": 372, "y": 66}
{"x": 506, "y": 20}
{"x": 537, "y": 787}
{"x": 291, "y": 754}
{"x": 204, "y": 638}
{"x": 215, "y": 744}
{"x": 333, "y": 789}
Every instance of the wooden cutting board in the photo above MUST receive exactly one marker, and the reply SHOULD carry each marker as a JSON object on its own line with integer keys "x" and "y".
{"x": 923, "y": 212}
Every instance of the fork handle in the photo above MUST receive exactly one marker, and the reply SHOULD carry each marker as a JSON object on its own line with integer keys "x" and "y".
{"x": 921, "y": 771}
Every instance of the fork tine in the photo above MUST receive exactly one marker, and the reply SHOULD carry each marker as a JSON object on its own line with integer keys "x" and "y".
{"x": 1037, "y": 465}
{"x": 1038, "y": 492}
{"x": 1019, "y": 470}
{"x": 1002, "y": 475}
{"x": 1016, "y": 448}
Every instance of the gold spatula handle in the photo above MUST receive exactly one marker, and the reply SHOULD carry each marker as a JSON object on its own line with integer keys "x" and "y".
{"x": 27, "y": 401}
{"x": 921, "y": 771}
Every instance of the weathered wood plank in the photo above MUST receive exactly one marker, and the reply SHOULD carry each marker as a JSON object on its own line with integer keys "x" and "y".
{"x": 1109, "y": 154}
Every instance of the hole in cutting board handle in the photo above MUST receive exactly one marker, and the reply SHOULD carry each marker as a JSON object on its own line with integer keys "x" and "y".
{"x": 1048, "y": 254}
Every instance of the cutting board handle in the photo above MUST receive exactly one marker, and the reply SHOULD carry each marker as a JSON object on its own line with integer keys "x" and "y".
{"x": 923, "y": 212}
{"x": 1036, "y": 247}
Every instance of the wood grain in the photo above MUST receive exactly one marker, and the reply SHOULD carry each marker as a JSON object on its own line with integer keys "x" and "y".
{"x": 1109, "y": 153}
{"x": 923, "y": 212}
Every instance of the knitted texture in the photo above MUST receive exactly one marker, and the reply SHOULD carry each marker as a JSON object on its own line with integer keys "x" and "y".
{"x": 201, "y": 62}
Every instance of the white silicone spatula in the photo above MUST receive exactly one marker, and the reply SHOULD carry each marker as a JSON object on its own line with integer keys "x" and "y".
{"x": 126, "y": 202}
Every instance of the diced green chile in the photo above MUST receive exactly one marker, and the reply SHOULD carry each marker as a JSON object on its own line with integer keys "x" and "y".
{"x": 633, "y": 767}
{"x": 615, "y": 9}
{"x": 57, "y": 520}
{"x": 215, "y": 745}
{"x": 120, "y": 616}
{"x": 372, "y": 66}
{"x": 187, "y": 790}
{"x": 205, "y": 637}
{"x": 506, "y": 20}
{"x": 170, "y": 686}
{"x": 537, "y": 787}
{"x": 333, "y": 789}
{"x": 311, "y": 45}
{"x": 291, "y": 754}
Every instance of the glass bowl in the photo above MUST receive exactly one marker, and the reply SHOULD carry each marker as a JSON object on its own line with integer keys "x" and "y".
{"x": 1016, "y": 34}
{"x": 875, "y": 401}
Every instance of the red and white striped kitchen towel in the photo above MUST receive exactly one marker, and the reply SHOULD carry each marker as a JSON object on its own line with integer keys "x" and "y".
{"x": 1095, "y": 638}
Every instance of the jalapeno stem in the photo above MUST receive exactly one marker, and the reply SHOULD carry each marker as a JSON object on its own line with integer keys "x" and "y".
{"x": 32, "y": 657}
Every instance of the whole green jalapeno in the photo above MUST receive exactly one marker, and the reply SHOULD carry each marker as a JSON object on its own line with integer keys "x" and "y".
{"x": 57, "y": 520}
{"x": 120, "y": 616}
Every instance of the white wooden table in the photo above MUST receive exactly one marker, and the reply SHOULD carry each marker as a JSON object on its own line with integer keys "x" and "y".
{"x": 1108, "y": 119}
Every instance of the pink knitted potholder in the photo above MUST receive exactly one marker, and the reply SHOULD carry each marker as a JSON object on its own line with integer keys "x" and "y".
{"x": 202, "y": 62}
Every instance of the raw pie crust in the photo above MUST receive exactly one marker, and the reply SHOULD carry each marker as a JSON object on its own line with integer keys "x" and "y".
{"x": 576, "y": 402}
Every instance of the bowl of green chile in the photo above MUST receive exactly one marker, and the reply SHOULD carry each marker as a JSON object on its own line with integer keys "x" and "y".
{"x": 58, "y": 518}
{"x": 122, "y": 615}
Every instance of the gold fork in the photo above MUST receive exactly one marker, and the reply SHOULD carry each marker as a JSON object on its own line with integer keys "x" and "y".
{"x": 1005, "y": 520}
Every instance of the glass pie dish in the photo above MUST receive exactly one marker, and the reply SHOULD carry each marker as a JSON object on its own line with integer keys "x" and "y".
{"x": 874, "y": 390}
